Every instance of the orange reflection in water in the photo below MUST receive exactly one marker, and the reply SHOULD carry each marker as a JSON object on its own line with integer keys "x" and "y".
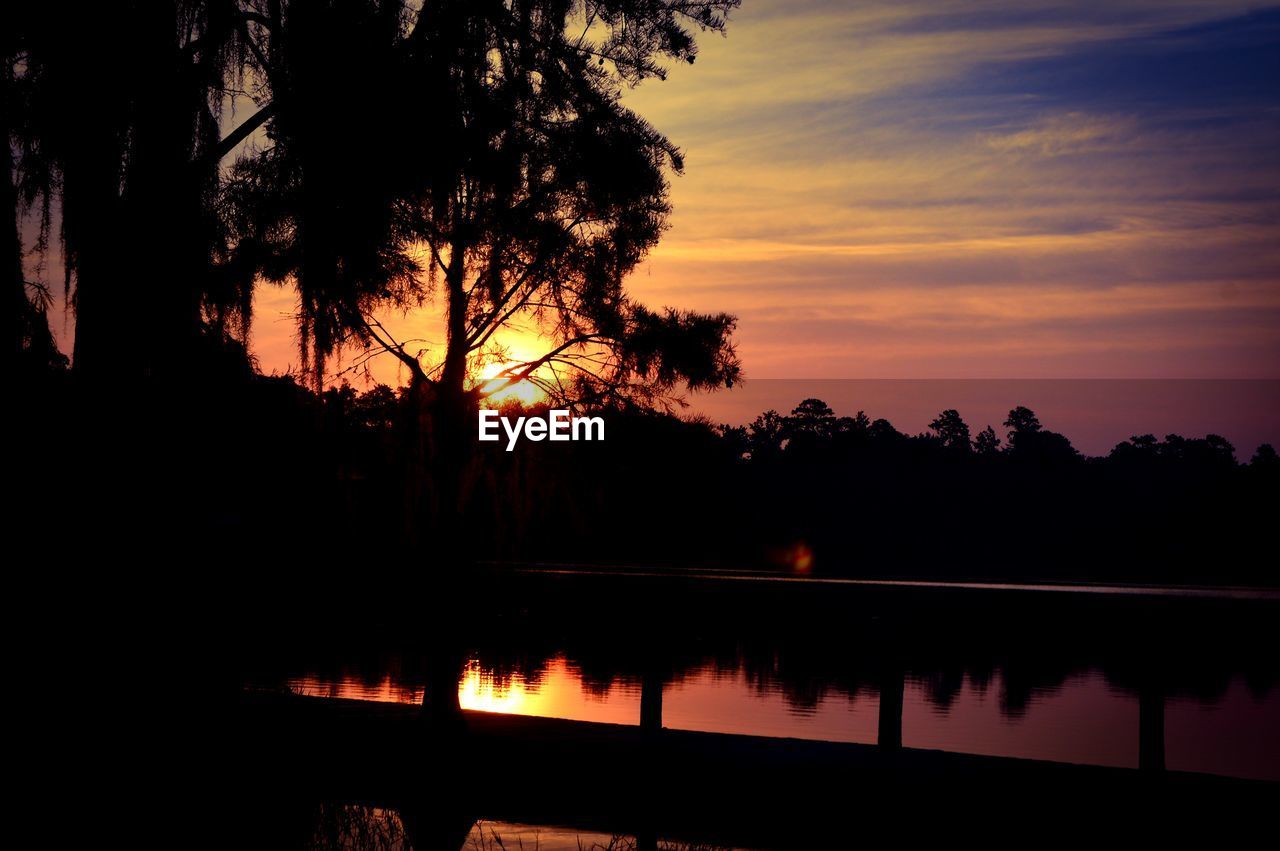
{"x": 351, "y": 687}
{"x": 558, "y": 691}
{"x": 487, "y": 693}
{"x": 1084, "y": 719}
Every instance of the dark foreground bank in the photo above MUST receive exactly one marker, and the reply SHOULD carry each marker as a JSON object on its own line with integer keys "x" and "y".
{"x": 692, "y": 787}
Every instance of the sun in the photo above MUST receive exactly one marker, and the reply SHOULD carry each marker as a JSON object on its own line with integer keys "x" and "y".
{"x": 518, "y": 347}
{"x": 524, "y": 392}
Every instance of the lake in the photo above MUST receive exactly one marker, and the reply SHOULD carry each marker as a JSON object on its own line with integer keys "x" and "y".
{"x": 985, "y": 670}
{"x": 1084, "y": 719}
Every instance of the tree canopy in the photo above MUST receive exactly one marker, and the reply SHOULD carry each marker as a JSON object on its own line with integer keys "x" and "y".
{"x": 505, "y": 181}
{"x": 476, "y": 156}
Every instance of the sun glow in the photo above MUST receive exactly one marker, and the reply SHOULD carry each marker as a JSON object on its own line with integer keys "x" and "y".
{"x": 524, "y": 392}
{"x": 517, "y": 348}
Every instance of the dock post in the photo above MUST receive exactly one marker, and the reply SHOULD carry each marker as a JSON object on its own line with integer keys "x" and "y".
{"x": 892, "y": 684}
{"x": 651, "y": 700}
{"x": 652, "y": 680}
{"x": 1150, "y": 727}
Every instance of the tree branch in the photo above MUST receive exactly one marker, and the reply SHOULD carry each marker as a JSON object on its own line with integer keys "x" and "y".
{"x": 395, "y": 348}
{"x": 528, "y": 368}
{"x": 238, "y": 135}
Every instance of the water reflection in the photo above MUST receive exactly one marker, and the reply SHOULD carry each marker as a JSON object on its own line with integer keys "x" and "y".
{"x": 1034, "y": 676}
{"x": 1085, "y": 718}
{"x": 556, "y": 691}
{"x": 716, "y": 700}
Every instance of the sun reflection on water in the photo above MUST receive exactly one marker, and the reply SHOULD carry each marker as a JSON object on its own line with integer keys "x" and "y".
{"x": 484, "y": 691}
{"x": 1084, "y": 719}
{"x": 556, "y": 691}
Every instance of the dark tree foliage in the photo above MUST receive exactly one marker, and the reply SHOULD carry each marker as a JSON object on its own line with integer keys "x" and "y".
{"x": 477, "y": 153}
{"x": 374, "y": 155}
{"x": 812, "y": 417}
{"x": 951, "y": 430}
{"x": 319, "y": 204}
{"x": 1022, "y": 423}
{"x": 1030, "y": 443}
{"x": 767, "y": 435}
{"x": 863, "y": 498}
{"x": 1265, "y": 457}
{"x": 116, "y": 117}
{"x": 505, "y": 182}
{"x": 986, "y": 443}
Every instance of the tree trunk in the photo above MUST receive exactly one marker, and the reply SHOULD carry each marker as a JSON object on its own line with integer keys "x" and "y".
{"x": 164, "y": 199}
{"x": 444, "y": 441}
{"x": 135, "y": 181}
{"x": 102, "y": 295}
{"x": 452, "y": 406}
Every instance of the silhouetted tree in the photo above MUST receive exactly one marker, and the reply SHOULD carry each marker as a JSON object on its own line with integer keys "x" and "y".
{"x": 857, "y": 424}
{"x": 1140, "y": 452}
{"x": 883, "y": 431}
{"x": 768, "y": 434}
{"x": 1210, "y": 451}
{"x": 1028, "y": 441}
{"x": 118, "y": 125}
{"x": 737, "y": 439}
{"x": 850, "y": 433}
{"x": 531, "y": 191}
{"x": 1022, "y": 422}
{"x": 951, "y": 430}
{"x": 1265, "y": 458}
{"x": 812, "y": 418}
{"x": 376, "y": 408}
{"x": 986, "y": 443}
{"x": 1144, "y": 442}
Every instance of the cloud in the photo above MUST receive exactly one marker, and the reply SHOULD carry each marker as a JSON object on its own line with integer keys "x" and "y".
{"x": 1070, "y": 133}
{"x": 948, "y": 189}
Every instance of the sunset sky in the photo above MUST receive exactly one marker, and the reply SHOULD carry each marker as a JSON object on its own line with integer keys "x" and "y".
{"x": 935, "y": 189}
{"x": 965, "y": 189}
{"x": 961, "y": 190}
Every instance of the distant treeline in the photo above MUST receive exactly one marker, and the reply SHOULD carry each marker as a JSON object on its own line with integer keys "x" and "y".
{"x": 280, "y": 471}
{"x": 806, "y": 491}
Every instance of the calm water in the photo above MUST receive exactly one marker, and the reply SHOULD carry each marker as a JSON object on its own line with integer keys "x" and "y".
{"x": 1039, "y": 673}
{"x": 1083, "y": 719}
{"x": 1027, "y": 671}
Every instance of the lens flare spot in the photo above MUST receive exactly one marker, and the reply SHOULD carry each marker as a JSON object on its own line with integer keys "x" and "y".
{"x": 801, "y": 558}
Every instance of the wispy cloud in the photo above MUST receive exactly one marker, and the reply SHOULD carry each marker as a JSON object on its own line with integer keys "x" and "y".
{"x": 993, "y": 188}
